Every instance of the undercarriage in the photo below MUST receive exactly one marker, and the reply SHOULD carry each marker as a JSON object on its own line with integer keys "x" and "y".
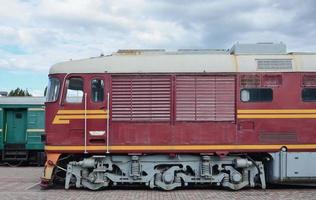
{"x": 164, "y": 171}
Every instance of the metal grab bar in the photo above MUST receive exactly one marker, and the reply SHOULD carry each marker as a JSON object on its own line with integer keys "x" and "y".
{"x": 108, "y": 123}
{"x": 62, "y": 89}
{"x": 85, "y": 123}
{"x": 5, "y": 132}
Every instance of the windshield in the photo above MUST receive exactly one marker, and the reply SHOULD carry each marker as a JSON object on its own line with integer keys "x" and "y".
{"x": 52, "y": 89}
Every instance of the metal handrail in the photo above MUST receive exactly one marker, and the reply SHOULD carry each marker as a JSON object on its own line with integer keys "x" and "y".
{"x": 62, "y": 89}
{"x": 108, "y": 123}
{"x": 5, "y": 132}
{"x": 85, "y": 123}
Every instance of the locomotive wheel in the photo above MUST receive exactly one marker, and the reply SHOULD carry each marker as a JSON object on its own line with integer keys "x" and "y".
{"x": 167, "y": 180}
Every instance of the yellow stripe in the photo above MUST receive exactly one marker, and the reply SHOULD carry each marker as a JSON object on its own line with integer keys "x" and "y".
{"x": 272, "y": 116}
{"x": 82, "y": 116}
{"x": 65, "y": 119}
{"x": 276, "y": 111}
{"x": 184, "y": 147}
{"x": 81, "y": 112}
{"x": 35, "y": 130}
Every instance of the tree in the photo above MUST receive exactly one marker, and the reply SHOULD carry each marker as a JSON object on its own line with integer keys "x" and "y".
{"x": 19, "y": 92}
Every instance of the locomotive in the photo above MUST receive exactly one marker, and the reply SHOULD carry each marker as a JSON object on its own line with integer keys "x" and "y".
{"x": 244, "y": 117}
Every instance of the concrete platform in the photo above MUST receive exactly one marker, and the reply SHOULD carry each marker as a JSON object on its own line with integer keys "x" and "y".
{"x": 23, "y": 183}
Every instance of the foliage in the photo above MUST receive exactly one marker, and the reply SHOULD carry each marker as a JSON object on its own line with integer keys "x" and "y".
{"x": 19, "y": 92}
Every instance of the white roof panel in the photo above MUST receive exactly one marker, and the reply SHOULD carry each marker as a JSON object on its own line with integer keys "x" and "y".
{"x": 187, "y": 62}
{"x": 164, "y": 63}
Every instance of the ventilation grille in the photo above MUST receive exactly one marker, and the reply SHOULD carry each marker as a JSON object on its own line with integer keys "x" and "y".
{"x": 272, "y": 138}
{"x": 205, "y": 98}
{"x": 309, "y": 80}
{"x": 136, "y": 98}
{"x": 274, "y": 64}
{"x": 272, "y": 80}
{"x": 249, "y": 81}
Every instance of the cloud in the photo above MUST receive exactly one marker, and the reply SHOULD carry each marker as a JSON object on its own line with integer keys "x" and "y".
{"x": 36, "y": 34}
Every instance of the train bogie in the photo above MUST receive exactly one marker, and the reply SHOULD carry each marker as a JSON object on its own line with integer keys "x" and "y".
{"x": 164, "y": 171}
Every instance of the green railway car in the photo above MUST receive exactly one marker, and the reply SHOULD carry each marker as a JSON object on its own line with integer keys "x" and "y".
{"x": 22, "y": 122}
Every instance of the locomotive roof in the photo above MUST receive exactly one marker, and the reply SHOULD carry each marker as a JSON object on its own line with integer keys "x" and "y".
{"x": 22, "y": 100}
{"x": 265, "y": 57}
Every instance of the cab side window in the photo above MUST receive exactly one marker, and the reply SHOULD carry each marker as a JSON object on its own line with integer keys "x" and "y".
{"x": 74, "y": 90}
{"x": 97, "y": 90}
{"x": 309, "y": 94}
{"x": 256, "y": 95}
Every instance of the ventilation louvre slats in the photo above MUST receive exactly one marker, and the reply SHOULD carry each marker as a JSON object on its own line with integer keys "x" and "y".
{"x": 136, "y": 98}
{"x": 309, "y": 80}
{"x": 205, "y": 98}
{"x": 274, "y": 64}
{"x": 249, "y": 81}
{"x": 198, "y": 98}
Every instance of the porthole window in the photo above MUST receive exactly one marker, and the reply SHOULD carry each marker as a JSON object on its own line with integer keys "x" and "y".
{"x": 309, "y": 94}
{"x": 97, "y": 90}
{"x": 245, "y": 95}
{"x": 74, "y": 90}
{"x": 256, "y": 95}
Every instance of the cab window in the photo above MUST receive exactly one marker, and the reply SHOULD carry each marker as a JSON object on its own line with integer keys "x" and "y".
{"x": 256, "y": 95}
{"x": 309, "y": 94}
{"x": 52, "y": 90}
{"x": 74, "y": 90}
{"x": 97, "y": 90}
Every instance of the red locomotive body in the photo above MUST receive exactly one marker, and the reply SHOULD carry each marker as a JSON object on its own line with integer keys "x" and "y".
{"x": 169, "y": 120}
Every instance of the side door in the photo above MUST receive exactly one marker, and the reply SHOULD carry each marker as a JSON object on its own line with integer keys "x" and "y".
{"x": 97, "y": 108}
{"x": 16, "y": 127}
{"x": 71, "y": 115}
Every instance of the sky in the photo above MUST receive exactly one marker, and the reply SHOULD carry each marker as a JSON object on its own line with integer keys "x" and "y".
{"x": 36, "y": 34}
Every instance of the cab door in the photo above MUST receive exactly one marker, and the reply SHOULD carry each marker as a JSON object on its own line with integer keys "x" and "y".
{"x": 70, "y": 118}
{"x": 97, "y": 110}
{"x": 83, "y": 113}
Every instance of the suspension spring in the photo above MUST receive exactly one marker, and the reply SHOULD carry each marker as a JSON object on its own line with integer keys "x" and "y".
{"x": 205, "y": 168}
{"x": 135, "y": 167}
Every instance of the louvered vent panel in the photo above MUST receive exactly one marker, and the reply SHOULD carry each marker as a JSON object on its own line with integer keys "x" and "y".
{"x": 185, "y": 95}
{"x": 271, "y": 80}
{"x": 225, "y": 98}
{"x": 205, "y": 98}
{"x": 250, "y": 81}
{"x": 309, "y": 80}
{"x": 141, "y": 98}
{"x": 274, "y": 64}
